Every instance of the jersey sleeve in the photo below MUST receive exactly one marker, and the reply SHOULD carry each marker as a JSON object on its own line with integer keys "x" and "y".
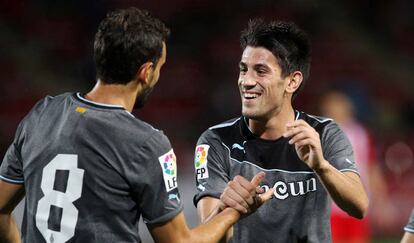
{"x": 211, "y": 170}
{"x": 154, "y": 180}
{"x": 410, "y": 226}
{"x": 11, "y": 169}
{"x": 337, "y": 148}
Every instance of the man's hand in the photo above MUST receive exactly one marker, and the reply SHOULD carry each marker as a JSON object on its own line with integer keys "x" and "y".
{"x": 345, "y": 188}
{"x": 245, "y": 196}
{"x": 307, "y": 143}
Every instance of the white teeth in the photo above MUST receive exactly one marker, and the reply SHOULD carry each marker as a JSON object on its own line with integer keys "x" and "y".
{"x": 250, "y": 95}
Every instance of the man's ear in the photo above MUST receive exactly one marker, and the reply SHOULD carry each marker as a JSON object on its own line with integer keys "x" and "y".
{"x": 144, "y": 72}
{"x": 295, "y": 79}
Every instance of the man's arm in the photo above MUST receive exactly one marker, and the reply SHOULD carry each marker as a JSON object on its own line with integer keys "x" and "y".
{"x": 345, "y": 188}
{"x": 10, "y": 196}
{"x": 240, "y": 194}
{"x": 207, "y": 208}
{"x": 408, "y": 238}
{"x": 409, "y": 230}
{"x": 176, "y": 230}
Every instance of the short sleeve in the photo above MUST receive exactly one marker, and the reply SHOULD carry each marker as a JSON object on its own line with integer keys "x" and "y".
{"x": 153, "y": 177}
{"x": 11, "y": 169}
{"x": 337, "y": 148}
{"x": 211, "y": 166}
{"x": 410, "y": 226}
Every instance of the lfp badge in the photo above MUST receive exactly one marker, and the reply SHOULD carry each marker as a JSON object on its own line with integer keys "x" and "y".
{"x": 200, "y": 161}
{"x": 169, "y": 170}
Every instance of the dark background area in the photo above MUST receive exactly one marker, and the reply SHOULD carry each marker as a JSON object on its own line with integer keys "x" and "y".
{"x": 363, "y": 47}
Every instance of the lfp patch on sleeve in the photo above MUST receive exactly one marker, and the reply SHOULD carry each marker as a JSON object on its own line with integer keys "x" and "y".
{"x": 169, "y": 170}
{"x": 200, "y": 161}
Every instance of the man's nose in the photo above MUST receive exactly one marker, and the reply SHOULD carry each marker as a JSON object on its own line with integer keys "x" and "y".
{"x": 248, "y": 81}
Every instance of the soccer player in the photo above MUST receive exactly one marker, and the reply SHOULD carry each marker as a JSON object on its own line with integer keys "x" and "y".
{"x": 409, "y": 230}
{"x": 307, "y": 159}
{"x": 89, "y": 168}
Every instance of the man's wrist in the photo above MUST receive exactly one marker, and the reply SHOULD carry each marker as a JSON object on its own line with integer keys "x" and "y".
{"x": 322, "y": 167}
{"x": 232, "y": 212}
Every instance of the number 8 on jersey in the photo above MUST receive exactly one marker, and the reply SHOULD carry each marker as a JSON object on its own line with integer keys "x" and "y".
{"x": 63, "y": 200}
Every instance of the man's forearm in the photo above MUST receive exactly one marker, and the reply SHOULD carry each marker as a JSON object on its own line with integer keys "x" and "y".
{"x": 345, "y": 189}
{"x": 212, "y": 214}
{"x": 9, "y": 232}
{"x": 216, "y": 210}
{"x": 221, "y": 222}
{"x": 208, "y": 208}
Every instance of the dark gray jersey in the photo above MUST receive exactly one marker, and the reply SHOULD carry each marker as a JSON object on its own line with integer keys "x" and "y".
{"x": 300, "y": 208}
{"x": 90, "y": 171}
{"x": 410, "y": 226}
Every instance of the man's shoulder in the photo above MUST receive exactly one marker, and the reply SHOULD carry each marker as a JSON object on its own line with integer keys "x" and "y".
{"x": 223, "y": 127}
{"x": 140, "y": 132}
{"x": 44, "y": 104}
{"x": 320, "y": 123}
{"x": 314, "y": 120}
{"x": 50, "y": 99}
{"x": 222, "y": 131}
{"x": 228, "y": 124}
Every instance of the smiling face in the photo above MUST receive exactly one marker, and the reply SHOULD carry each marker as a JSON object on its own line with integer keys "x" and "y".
{"x": 262, "y": 87}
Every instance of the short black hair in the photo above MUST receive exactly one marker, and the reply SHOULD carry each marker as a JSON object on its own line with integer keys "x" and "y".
{"x": 125, "y": 40}
{"x": 288, "y": 43}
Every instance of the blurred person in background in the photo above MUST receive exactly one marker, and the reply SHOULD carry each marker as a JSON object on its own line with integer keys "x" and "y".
{"x": 89, "y": 169}
{"x": 409, "y": 230}
{"x": 306, "y": 158}
{"x": 337, "y": 105}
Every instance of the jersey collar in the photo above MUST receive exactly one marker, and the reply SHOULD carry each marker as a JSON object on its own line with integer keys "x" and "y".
{"x": 80, "y": 97}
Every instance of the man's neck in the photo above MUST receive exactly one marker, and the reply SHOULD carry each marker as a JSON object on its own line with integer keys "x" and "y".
{"x": 274, "y": 127}
{"x": 114, "y": 94}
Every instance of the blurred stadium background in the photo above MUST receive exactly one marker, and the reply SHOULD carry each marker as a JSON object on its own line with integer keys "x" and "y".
{"x": 363, "y": 47}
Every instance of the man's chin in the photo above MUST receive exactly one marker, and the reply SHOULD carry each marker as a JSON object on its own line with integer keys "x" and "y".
{"x": 251, "y": 115}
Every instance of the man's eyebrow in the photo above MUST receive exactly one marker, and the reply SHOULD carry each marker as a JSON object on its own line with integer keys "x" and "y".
{"x": 262, "y": 65}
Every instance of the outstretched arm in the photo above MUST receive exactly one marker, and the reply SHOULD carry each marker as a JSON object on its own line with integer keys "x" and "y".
{"x": 176, "y": 230}
{"x": 215, "y": 227}
{"x": 208, "y": 208}
{"x": 10, "y": 196}
{"x": 345, "y": 188}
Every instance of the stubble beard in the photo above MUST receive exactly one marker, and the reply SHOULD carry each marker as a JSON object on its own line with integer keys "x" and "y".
{"x": 143, "y": 97}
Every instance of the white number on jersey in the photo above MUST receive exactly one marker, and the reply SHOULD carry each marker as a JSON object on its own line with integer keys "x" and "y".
{"x": 64, "y": 200}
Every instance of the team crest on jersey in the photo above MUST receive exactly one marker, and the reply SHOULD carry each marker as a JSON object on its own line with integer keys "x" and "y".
{"x": 200, "y": 161}
{"x": 169, "y": 170}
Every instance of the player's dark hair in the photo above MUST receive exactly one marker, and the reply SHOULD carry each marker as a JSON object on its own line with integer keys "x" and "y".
{"x": 125, "y": 40}
{"x": 288, "y": 43}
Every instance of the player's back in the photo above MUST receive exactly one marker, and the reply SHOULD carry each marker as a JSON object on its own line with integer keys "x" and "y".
{"x": 85, "y": 169}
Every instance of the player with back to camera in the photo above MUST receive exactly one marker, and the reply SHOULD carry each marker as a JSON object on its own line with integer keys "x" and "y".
{"x": 307, "y": 159}
{"x": 89, "y": 169}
